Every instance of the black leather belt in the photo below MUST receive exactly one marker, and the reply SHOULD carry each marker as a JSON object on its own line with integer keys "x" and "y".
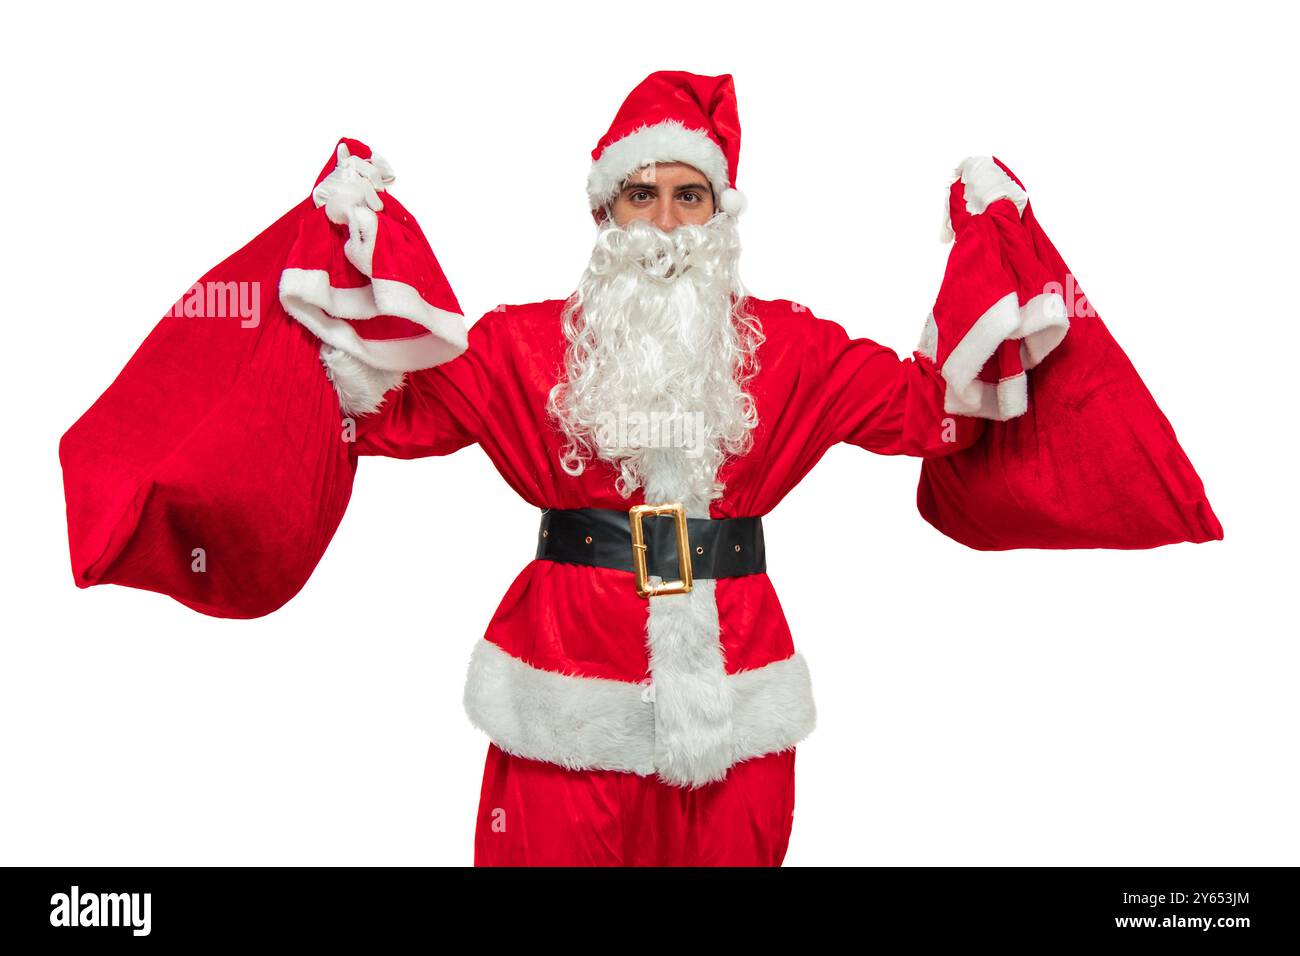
{"x": 608, "y": 538}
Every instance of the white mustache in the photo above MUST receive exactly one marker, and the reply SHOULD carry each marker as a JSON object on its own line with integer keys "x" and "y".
{"x": 645, "y": 248}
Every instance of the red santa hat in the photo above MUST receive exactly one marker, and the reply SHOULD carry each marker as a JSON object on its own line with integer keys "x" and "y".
{"x": 672, "y": 116}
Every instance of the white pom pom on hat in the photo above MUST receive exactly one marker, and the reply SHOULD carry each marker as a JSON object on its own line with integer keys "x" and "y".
{"x": 733, "y": 202}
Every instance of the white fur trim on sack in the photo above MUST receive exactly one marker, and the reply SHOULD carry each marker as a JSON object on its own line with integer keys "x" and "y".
{"x": 666, "y": 142}
{"x": 593, "y": 723}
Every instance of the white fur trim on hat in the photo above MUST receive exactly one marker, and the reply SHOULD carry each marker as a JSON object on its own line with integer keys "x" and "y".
{"x": 666, "y": 142}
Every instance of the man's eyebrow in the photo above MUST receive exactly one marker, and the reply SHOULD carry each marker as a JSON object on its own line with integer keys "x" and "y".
{"x": 698, "y": 187}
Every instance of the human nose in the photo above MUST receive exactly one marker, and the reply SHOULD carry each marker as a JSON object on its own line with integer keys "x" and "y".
{"x": 666, "y": 217}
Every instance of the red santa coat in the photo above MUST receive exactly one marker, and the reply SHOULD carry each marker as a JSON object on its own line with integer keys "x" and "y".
{"x": 226, "y": 494}
{"x": 563, "y": 672}
{"x": 212, "y": 470}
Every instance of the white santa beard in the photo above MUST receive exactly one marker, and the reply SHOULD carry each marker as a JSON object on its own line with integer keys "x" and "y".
{"x": 654, "y": 333}
{"x": 652, "y": 330}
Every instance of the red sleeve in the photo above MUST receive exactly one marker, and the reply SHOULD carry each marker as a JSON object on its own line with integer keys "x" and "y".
{"x": 436, "y": 411}
{"x": 885, "y": 404}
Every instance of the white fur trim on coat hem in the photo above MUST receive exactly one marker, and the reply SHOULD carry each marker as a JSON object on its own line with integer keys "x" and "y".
{"x": 592, "y": 723}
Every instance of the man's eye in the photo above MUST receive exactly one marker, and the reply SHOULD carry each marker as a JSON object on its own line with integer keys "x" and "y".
{"x": 640, "y": 196}
{"x": 690, "y": 196}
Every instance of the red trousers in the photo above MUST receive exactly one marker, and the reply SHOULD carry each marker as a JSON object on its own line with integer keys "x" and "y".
{"x": 533, "y": 813}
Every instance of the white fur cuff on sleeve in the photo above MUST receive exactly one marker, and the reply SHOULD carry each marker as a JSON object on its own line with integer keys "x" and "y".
{"x": 360, "y": 387}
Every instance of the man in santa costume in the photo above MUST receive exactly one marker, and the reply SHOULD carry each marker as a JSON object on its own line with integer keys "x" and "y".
{"x": 649, "y": 722}
{"x": 638, "y": 682}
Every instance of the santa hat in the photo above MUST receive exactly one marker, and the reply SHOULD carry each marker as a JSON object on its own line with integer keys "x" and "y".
{"x": 672, "y": 116}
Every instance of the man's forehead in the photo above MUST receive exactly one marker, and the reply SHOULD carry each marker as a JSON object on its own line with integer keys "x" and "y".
{"x": 653, "y": 172}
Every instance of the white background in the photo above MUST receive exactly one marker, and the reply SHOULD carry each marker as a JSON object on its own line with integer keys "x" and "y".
{"x": 1019, "y": 708}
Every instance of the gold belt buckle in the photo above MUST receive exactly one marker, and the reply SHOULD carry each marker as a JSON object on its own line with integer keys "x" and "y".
{"x": 643, "y": 587}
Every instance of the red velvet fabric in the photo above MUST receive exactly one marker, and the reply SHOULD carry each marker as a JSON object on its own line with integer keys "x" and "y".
{"x": 1094, "y": 463}
{"x": 230, "y": 440}
{"x": 538, "y": 814}
{"x": 815, "y": 387}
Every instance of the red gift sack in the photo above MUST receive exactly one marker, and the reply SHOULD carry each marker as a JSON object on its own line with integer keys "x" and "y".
{"x": 216, "y": 467}
{"x": 1078, "y": 454}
